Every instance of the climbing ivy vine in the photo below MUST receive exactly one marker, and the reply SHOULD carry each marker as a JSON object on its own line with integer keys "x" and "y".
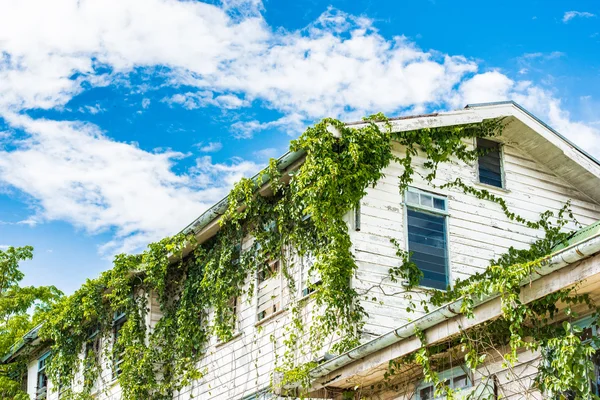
{"x": 289, "y": 214}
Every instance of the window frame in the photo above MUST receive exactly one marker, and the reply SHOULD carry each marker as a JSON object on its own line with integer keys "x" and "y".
{"x": 308, "y": 283}
{"x": 431, "y": 210}
{"x": 262, "y": 316}
{"x": 42, "y": 392}
{"x": 119, "y": 320}
{"x": 447, "y": 374}
{"x": 502, "y": 169}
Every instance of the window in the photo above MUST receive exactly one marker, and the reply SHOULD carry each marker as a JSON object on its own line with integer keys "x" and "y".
{"x": 268, "y": 270}
{"x": 309, "y": 279}
{"x": 92, "y": 345}
{"x": 490, "y": 163}
{"x": 230, "y": 318}
{"x": 119, "y": 320}
{"x": 269, "y": 289}
{"x": 42, "y": 379}
{"x": 457, "y": 378}
{"x": 427, "y": 244}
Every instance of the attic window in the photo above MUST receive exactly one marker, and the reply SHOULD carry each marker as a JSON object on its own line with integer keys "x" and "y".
{"x": 490, "y": 163}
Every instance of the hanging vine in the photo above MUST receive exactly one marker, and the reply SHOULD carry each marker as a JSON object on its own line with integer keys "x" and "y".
{"x": 194, "y": 283}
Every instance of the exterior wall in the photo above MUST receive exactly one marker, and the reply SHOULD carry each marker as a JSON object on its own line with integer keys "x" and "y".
{"x": 478, "y": 230}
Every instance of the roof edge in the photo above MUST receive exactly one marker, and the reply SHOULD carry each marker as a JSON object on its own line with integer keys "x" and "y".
{"x": 545, "y": 125}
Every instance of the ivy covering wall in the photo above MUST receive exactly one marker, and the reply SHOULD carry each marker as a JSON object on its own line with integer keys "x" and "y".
{"x": 304, "y": 212}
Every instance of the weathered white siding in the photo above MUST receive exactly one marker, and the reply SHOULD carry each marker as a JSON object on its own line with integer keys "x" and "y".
{"x": 478, "y": 230}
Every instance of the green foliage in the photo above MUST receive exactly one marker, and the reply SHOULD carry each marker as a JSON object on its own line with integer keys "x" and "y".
{"x": 21, "y": 309}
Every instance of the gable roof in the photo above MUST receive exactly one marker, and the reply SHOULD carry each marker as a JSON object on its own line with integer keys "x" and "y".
{"x": 540, "y": 141}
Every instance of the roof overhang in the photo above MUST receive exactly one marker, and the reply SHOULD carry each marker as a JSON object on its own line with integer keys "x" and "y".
{"x": 522, "y": 129}
{"x": 365, "y": 365}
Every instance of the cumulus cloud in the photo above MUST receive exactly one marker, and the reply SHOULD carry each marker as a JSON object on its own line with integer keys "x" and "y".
{"x": 569, "y": 15}
{"x": 225, "y": 56}
{"x": 76, "y": 174}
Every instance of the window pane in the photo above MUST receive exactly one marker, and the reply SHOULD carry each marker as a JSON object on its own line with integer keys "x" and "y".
{"x": 426, "y": 200}
{"x": 426, "y": 393}
{"x": 461, "y": 382}
{"x": 428, "y": 248}
{"x": 490, "y": 165}
{"x": 440, "y": 204}
{"x": 412, "y": 197}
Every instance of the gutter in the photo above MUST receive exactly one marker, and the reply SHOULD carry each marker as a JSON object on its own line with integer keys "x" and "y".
{"x": 15, "y": 349}
{"x": 556, "y": 261}
{"x": 289, "y": 158}
{"x": 219, "y": 209}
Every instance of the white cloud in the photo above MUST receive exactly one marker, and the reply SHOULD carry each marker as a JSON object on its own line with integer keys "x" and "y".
{"x": 95, "y": 109}
{"x": 546, "y": 56}
{"x": 338, "y": 66}
{"x": 482, "y": 88}
{"x": 205, "y": 98}
{"x": 265, "y": 154}
{"x": 210, "y": 147}
{"x": 77, "y": 174}
{"x": 292, "y": 123}
{"x": 569, "y": 15}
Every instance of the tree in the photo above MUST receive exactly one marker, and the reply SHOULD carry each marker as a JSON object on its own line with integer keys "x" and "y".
{"x": 21, "y": 309}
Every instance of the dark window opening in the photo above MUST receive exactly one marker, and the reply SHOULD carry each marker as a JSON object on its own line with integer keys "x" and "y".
{"x": 268, "y": 270}
{"x": 490, "y": 163}
{"x": 428, "y": 248}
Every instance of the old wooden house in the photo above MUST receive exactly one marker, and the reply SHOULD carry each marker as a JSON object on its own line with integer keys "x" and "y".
{"x": 450, "y": 234}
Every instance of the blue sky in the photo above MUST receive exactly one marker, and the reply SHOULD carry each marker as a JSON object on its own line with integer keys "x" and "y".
{"x": 123, "y": 120}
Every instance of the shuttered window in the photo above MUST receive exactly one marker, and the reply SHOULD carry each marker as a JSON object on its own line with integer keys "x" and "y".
{"x": 269, "y": 289}
{"x": 427, "y": 244}
{"x": 42, "y": 378}
{"x": 119, "y": 320}
{"x": 490, "y": 163}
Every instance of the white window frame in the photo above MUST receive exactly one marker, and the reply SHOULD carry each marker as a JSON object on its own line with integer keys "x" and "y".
{"x": 448, "y": 374}
{"x": 432, "y": 210}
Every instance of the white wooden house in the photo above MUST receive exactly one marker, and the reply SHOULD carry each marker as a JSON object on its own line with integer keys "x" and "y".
{"x": 531, "y": 166}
